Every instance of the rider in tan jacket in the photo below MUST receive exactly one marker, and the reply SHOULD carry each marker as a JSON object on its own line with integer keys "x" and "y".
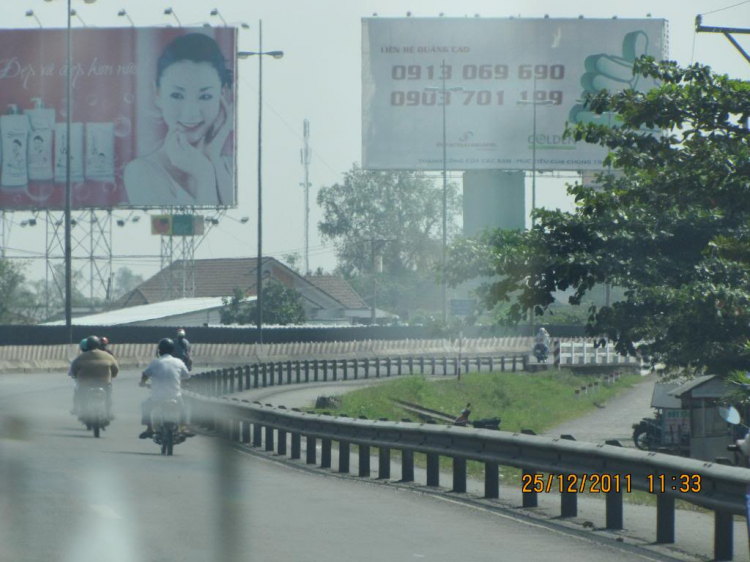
{"x": 94, "y": 368}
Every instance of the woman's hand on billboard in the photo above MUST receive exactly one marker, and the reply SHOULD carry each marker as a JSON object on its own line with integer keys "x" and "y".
{"x": 213, "y": 143}
{"x": 190, "y": 160}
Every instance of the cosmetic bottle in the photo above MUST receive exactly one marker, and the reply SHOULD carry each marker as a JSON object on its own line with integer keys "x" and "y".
{"x": 100, "y": 149}
{"x": 14, "y": 131}
{"x": 42, "y": 122}
{"x": 76, "y": 152}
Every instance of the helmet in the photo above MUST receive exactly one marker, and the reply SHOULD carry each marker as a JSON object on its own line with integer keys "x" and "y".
{"x": 93, "y": 342}
{"x": 104, "y": 342}
{"x": 165, "y": 347}
{"x": 180, "y": 333}
{"x": 84, "y": 344}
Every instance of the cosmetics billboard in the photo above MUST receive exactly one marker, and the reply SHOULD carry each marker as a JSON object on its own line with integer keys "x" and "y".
{"x": 487, "y": 83}
{"x": 152, "y": 118}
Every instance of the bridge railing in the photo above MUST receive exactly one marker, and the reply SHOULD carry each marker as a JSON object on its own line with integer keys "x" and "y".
{"x": 547, "y": 464}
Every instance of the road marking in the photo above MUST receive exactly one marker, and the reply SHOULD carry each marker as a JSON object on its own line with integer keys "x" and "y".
{"x": 105, "y": 511}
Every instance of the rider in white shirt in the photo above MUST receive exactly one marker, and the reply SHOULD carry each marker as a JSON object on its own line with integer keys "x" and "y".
{"x": 166, "y": 373}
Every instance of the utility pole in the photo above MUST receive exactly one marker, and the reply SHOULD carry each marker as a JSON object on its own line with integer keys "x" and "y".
{"x": 305, "y": 154}
{"x": 726, "y": 32}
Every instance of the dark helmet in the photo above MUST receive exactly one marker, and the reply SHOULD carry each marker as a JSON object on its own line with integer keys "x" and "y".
{"x": 84, "y": 344}
{"x": 92, "y": 342}
{"x": 165, "y": 347}
{"x": 105, "y": 342}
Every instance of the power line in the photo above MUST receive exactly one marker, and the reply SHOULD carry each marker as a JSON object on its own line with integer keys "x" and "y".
{"x": 726, "y": 8}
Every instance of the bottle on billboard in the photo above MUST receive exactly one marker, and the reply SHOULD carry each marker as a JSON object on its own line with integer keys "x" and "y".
{"x": 100, "y": 149}
{"x": 76, "y": 152}
{"x": 14, "y": 130}
{"x": 42, "y": 122}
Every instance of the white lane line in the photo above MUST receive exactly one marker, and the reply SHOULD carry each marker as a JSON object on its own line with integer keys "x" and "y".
{"x": 105, "y": 511}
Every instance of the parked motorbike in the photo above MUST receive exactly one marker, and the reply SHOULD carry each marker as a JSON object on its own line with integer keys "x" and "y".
{"x": 486, "y": 423}
{"x": 540, "y": 352}
{"x": 93, "y": 412}
{"x": 165, "y": 419}
{"x": 647, "y": 433}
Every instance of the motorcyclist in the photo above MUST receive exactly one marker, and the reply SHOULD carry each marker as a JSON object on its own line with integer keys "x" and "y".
{"x": 92, "y": 369}
{"x": 166, "y": 373}
{"x": 463, "y": 419}
{"x": 182, "y": 349}
{"x": 105, "y": 345}
{"x": 541, "y": 343}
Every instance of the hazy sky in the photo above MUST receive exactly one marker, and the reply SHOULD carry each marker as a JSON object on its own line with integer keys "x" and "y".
{"x": 319, "y": 78}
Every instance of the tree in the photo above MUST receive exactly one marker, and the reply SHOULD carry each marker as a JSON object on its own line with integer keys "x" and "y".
{"x": 672, "y": 229}
{"x": 281, "y": 305}
{"x": 397, "y": 215}
{"x": 13, "y": 295}
{"x": 125, "y": 281}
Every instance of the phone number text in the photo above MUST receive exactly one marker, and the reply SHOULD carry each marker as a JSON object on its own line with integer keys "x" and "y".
{"x": 478, "y": 72}
{"x": 471, "y": 97}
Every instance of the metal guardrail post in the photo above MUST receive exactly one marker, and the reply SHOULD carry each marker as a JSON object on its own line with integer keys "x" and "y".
{"x": 288, "y": 372}
{"x": 334, "y": 374}
{"x": 723, "y": 536}
{"x": 502, "y": 363}
{"x": 269, "y": 438}
{"x": 491, "y": 480}
{"x": 384, "y": 463}
{"x": 367, "y": 367}
{"x": 478, "y": 362}
{"x": 257, "y": 434}
{"x": 344, "y": 452}
{"x": 364, "y": 461}
{"x": 614, "y": 519}
{"x": 445, "y": 366}
{"x": 377, "y": 367}
{"x": 311, "y": 453}
{"x": 264, "y": 375}
{"x": 433, "y": 469}
{"x": 281, "y": 442}
{"x": 246, "y": 371}
{"x": 432, "y": 365}
{"x": 297, "y": 373}
{"x": 345, "y": 369}
{"x": 296, "y": 446}
{"x": 399, "y": 366}
{"x": 664, "y": 519}
{"x": 459, "y": 475}
{"x": 271, "y": 374}
{"x": 530, "y": 499}
{"x": 568, "y": 504}
{"x": 407, "y": 465}
{"x": 356, "y": 369}
{"x": 411, "y": 365}
{"x": 514, "y": 363}
{"x": 255, "y": 375}
{"x": 325, "y": 370}
{"x": 307, "y": 370}
{"x": 280, "y": 373}
{"x": 388, "y": 367}
{"x": 315, "y": 370}
{"x": 492, "y": 364}
{"x": 325, "y": 453}
{"x": 232, "y": 383}
{"x": 224, "y": 388}
{"x": 246, "y": 432}
{"x": 421, "y": 365}
{"x": 455, "y": 366}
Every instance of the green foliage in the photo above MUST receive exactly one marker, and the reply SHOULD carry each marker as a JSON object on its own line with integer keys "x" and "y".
{"x": 13, "y": 296}
{"x": 126, "y": 281}
{"x": 281, "y": 305}
{"x": 672, "y": 228}
{"x": 396, "y": 215}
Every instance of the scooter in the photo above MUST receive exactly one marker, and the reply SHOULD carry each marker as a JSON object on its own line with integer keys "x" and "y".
{"x": 94, "y": 410}
{"x": 540, "y": 352}
{"x": 165, "y": 419}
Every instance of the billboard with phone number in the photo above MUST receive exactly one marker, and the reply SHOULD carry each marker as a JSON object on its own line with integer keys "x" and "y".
{"x": 152, "y": 121}
{"x": 479, "y": 81}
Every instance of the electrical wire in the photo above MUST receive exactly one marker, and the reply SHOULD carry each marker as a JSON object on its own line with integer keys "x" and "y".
{"x": 726, "y": 8}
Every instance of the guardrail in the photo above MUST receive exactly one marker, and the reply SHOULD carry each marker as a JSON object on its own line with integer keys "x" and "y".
{"x": 587, "y": 352}
{"x": 616, "y": 470}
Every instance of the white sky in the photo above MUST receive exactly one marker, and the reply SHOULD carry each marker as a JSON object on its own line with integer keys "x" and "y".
{"x": 319, "y": 78}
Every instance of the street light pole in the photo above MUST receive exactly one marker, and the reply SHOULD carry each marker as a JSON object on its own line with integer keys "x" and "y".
{"x": 259, "y": 270}
{"x": 68, "y": 243}
{"x": 444, "y": 260}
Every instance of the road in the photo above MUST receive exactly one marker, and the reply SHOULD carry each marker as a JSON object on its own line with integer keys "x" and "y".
{"x": 65, "y": 496}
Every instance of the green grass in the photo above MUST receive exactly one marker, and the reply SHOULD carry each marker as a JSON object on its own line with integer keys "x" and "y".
{"x": 523, "y": 401}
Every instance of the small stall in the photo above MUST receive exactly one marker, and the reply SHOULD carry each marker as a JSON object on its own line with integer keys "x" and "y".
{"x": 674, "y": 421}
{"x": 700, "y": 399}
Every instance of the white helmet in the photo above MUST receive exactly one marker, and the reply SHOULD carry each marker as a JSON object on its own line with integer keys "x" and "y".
{"x": 180, "y": 333}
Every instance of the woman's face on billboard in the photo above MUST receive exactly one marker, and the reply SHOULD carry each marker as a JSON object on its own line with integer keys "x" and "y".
{"x": 189, "y": 96}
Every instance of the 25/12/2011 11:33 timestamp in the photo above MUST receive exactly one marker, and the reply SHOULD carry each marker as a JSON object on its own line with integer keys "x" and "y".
{"x": 605, "y": 483}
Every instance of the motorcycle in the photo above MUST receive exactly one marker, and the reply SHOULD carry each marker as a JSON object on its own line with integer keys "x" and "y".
{"x": 486, "y": 423}
{"x": 93, "y": 411}
{"x": 647, "y": 433}
{"x": 165, "y": 419}
{"x": 540, "y": 352}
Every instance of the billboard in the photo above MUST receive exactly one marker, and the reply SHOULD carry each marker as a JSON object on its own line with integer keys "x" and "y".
{"x": 479, "y": 81}
{"x": 177, "y": 225}
{"x": 152, "y": 118}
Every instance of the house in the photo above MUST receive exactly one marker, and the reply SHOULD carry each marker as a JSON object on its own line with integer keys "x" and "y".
{"x": 327, "y": 299}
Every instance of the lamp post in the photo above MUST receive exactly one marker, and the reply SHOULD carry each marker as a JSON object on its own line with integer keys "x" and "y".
{"x": 445, "y": 100}
{"x": 259, "y": 279}
{"x": 533, "y": 102}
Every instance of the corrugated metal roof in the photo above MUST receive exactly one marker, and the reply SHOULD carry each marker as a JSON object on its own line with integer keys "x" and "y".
{"x": 687, "y": 387}
{"x": 135, "y": 314}
{"x": 661, "y": 397}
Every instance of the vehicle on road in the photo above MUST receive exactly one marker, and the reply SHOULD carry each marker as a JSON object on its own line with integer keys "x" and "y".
{"x": 540, "y": 352}
{"x": 93, "y": 412}
{"x": 165, "y": 419}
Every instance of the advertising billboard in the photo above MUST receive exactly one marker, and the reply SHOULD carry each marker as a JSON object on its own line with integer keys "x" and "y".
{"x": 479, "y": 81}
{"x": 152, "y": 118}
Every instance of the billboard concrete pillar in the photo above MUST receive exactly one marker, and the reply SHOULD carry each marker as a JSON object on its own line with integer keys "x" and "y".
{"x": 494, "y": 199}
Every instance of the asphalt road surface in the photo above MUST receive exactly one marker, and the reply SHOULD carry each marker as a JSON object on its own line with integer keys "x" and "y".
{"x": 65, "y": 496}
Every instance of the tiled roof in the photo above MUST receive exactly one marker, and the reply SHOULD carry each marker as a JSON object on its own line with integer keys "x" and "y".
{"x": 339, "y": 288}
